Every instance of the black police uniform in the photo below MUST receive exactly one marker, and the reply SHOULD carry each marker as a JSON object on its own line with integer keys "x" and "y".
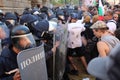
{"x": 8, "y": 58}
{"x": 8, "y": 62}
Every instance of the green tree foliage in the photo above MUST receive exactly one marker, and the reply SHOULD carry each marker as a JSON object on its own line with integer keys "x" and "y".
{"x": 74, "y": 2}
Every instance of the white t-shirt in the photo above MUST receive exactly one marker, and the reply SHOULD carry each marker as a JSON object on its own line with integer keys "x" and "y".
{"x": 74, "y": 35}
{"x": 112, "y": 26}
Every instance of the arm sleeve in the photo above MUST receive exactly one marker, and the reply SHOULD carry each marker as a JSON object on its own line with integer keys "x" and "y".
{"x": 48, "y": 54}
{"x": 7, "y": 78}
{"x": 3, "y": 76}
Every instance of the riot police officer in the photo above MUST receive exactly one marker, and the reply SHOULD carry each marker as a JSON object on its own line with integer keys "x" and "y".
{"x": 21, "y": 39}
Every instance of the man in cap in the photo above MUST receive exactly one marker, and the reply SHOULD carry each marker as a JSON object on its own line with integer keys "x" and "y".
{"x": 106, "y": 40}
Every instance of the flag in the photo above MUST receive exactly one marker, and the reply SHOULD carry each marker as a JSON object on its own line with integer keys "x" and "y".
{"x": 101, "y": 9}
{"x": 94, "y": 2}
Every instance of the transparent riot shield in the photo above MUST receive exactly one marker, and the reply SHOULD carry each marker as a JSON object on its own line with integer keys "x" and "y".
{"x": 32, "y": 64}
{"x": 60, "y": 56}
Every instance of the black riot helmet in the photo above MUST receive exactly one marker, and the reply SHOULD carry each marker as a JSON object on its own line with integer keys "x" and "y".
{"x": 22, "y": 38}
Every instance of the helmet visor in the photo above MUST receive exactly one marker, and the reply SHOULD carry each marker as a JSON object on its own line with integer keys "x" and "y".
{"x": 25, "y": 41}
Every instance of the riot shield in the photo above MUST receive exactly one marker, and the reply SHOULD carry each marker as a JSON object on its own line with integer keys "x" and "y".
{"x": 32, "y": 64}
{"x": 60, "y": 57}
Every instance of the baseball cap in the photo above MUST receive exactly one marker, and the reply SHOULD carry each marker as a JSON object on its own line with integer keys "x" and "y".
{"x": 105, "y": 67}
{"x": 99, "y": 25}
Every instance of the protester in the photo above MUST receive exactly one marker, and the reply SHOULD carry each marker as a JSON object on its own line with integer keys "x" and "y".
{"x": 111, "y": 23}
{"x": 95, "y": 18}
{"x": 88, "y": 34}
{"x": 115, "y": 17}
{"x": 106, "y": 40}
{"x": 75, "y": 42}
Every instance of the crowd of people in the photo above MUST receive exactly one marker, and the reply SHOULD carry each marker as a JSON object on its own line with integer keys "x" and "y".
{"x": 89, "y": 37}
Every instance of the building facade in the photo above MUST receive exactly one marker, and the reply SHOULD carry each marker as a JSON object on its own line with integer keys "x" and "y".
{"x": 17, "y": 5}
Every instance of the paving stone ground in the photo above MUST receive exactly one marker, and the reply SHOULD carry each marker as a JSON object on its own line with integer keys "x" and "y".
{"x": 82, "y": 73}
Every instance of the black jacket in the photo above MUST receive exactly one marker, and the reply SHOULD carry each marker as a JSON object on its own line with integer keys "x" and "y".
{"x": 8, "y": 62}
